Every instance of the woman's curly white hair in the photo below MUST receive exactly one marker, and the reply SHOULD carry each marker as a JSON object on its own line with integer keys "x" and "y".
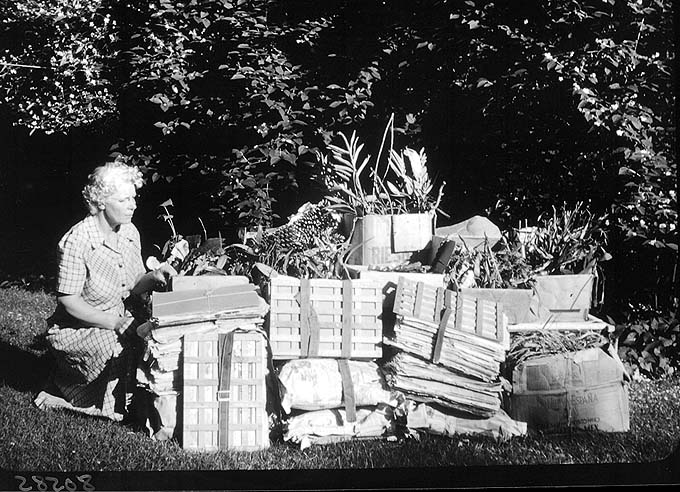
{"x": 105, "y": 180}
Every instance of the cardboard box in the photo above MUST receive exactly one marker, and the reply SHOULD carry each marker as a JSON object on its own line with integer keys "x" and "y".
{"x": 325, "y": 318}
{"x": 386, "y": 239}
{"x": 565, "y": 297}
{"x": 574, "y": 390}
{"x": 224, "y": 392}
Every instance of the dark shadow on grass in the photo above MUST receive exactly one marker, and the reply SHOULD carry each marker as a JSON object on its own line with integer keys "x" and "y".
{"x": 24, "y": 370}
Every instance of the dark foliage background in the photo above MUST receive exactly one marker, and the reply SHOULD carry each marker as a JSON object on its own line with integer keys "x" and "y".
{"x": 520, "y": 105}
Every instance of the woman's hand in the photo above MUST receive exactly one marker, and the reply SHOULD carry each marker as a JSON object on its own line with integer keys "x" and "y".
{"x": 162, "y": 274}
{"x": 156, "y": 279}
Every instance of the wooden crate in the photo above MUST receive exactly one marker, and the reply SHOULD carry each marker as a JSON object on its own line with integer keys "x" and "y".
{"x": 389, "y": 281}
{"x": 451, "y": 311}
{"x": 519, "y": 305}
{"x": 386, "y": 276}
{"x": 325, "y": 318}
{"x": 224, "y": 391}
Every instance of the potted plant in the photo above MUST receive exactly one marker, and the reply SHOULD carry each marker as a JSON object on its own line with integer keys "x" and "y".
{"x": 389, "y": 213}
{"x": 564, "y": 251}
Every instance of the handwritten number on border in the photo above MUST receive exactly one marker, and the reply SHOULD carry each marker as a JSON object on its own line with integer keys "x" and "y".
{"x": 85, "y": 480}
{"x": 22, "y": 485}
{"x": 55, "y": 484}
{"x": 40, "y": 482}
{"x": 42, "y": 486}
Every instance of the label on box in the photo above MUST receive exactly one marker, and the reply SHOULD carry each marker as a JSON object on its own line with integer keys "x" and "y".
{"x": 604, "y": 408}
{"x": 411, "y": 232}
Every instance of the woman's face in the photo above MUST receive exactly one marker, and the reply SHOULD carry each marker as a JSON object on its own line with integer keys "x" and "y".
{"x": 120, "y": 206}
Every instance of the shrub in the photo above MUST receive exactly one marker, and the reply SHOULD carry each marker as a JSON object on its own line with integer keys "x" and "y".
{"x": 649, "y": 344}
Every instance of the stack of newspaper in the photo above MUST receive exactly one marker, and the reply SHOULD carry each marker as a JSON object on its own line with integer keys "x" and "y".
{"x": 424, "y": 381}
{"x": 196, "y": 311}
{"x": 450, "y": 348}
{"x": 231, "y": 304}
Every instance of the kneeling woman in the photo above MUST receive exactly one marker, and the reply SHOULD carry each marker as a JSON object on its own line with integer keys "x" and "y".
{"x": 92, "y": 334}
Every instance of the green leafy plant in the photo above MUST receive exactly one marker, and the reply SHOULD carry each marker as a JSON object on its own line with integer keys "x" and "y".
{"x": 415, "y": 185}
{"x": 214, "y": 257}
{"x": 501, "y": 267}
{"x": 569, "y": 240}
{"x": 322, "y": 260}
{"x": 193, "y": 255}
{"x": 175, "y": 248}
{"x": 361, "y": 187}
{"x": 307, "y": 246}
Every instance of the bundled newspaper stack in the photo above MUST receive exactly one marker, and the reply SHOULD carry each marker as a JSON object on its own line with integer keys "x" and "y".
{"x": 450, "y": 349}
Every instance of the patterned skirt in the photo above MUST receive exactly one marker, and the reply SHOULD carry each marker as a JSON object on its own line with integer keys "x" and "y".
{"x": 95, "y": 368}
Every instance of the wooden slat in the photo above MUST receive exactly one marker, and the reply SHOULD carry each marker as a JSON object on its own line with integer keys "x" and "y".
{"x": 226, "y": 343}
{"x": 439, "y": 340}
{"x": 305, "y": 306}
{"x": 479, "y": 317}
{"x": 347, "y": 319}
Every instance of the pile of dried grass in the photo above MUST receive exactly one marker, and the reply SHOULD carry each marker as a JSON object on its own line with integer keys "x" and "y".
{"x": 524, "y": 346}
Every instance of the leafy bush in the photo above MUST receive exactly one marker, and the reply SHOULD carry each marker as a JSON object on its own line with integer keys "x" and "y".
{"x": 530, "y": 104}
{"x": 649, "y": 344}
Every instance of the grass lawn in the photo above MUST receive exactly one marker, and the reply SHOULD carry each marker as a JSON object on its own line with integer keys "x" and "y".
{"x": 63, "y": 444}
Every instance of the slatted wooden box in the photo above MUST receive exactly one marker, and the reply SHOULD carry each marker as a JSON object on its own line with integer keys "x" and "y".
{"x": 224, "y": 391}
{"x": 451, "y": 311}
{"x": 325, "y": 318}
{"x": 519, "y": 305}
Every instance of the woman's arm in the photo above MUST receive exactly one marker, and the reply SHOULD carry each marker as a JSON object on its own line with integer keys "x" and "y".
{"x": 154, "y": 279}
{"x": 78, "y": 308}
